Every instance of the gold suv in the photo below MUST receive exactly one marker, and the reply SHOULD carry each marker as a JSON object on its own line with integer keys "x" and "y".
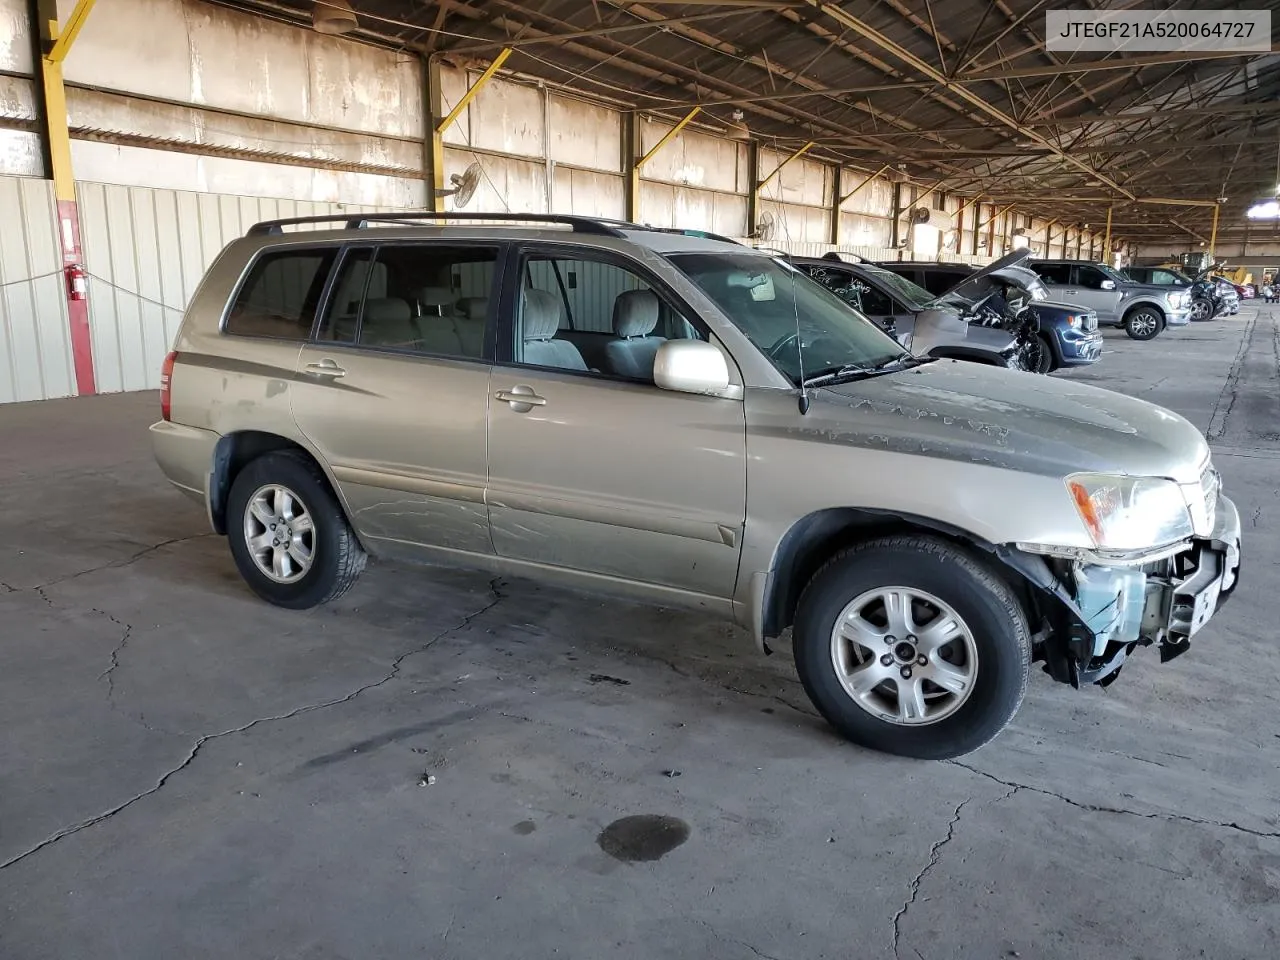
{"x": 680, "y": 419}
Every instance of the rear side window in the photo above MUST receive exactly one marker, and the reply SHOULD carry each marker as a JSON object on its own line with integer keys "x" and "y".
{"x": 429, "y": 298}
{"x": 1056, "y": 273}
{"x": 280, "y": 295}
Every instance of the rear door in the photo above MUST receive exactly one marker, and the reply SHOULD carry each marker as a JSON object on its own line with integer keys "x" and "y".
{"x": 593, "y": 468}
{"x": 393, "y": 391}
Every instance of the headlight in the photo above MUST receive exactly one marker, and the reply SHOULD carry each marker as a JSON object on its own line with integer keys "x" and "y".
{"x": 1075, "y": 321}
{"x": 1130, "y": 513}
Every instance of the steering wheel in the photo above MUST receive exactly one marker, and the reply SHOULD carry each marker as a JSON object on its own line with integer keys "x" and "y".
{"x": 786, "y": 339}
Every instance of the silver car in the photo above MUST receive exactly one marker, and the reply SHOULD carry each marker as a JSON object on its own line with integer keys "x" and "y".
{"x": 691, "y": 423}
{"x": 1142, "y": 310}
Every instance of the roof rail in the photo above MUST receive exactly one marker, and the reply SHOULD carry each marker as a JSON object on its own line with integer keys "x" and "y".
{"x": 683, "y": 232}
{"x": 412, "y": 218}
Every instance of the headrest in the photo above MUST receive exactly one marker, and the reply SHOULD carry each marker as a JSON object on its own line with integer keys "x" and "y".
{"x": 635, "y": 314}
{"x": 435, "y": 300}
{"x": 474, "y": 308}
{"x": 542, "y": 313}
{"x": 386, "y": 310}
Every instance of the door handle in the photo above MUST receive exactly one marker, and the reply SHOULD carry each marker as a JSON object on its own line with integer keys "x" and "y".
{"x": 327, "y": 369}
{"x": 521, "y": 398}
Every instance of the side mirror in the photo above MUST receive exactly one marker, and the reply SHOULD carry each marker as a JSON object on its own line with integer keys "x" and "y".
{"x": 1107, "y": 285}
{"x": 691, "y": 366}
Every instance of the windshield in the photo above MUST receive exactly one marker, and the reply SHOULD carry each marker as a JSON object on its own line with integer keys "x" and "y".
{"x": 770, "y": 302}
{"x": 1113, "y": 274}
{"x": 915, "y": 295}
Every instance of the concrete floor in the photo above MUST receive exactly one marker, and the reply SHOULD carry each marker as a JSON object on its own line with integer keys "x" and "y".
{"x": 187, "y": 772}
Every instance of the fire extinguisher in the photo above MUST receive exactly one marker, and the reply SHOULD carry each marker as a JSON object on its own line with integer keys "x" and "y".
{"x": 77, "y": 282}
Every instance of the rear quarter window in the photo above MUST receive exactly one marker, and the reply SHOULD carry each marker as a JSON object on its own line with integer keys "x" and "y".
{"x": 280, "y": 295}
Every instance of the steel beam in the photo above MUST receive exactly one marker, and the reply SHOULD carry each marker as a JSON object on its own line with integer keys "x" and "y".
{"x": 54, "y": 43}
{"x": 778, "y": 169}
{"x": 864, "y": 183}
{"x": 66, "y": 36}
{"x": 1113, "y": 63}
{"x": 474, "y": 89}
{"x": 1213, "y": 234}
{"x": 906, "y": 56}
{"x": 433, "y": 145}
{"x": 1107, "y": 242}
{"x": 669, "y": 136}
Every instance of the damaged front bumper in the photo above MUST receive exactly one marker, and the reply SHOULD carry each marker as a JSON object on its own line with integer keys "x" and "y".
{"x": 1107, "y": 610}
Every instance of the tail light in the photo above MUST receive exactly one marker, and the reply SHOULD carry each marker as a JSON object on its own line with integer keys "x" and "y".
{"x": 166, "y": 385}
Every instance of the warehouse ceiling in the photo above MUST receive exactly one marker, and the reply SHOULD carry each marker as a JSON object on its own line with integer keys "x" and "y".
{"x": 961, "y": 92}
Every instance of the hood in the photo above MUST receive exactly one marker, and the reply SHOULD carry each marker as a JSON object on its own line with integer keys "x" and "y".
{"x": 1064, "y": 307}
{"x": 1008, "y": 260}
{"x": 1018, "y": 421}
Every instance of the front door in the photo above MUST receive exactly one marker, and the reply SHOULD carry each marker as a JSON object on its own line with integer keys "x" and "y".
{"x": 591, "y": 466}
{"x": 1088, "y": 292}
{"x": 393, "y": 391}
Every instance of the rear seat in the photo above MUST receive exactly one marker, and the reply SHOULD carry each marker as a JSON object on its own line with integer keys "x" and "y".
{"x": 474, "y": 311}
{"x": 388, "y": 322}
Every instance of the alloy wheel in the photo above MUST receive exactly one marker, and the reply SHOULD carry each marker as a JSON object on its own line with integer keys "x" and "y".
{"x": 904, "y": 655}
{"x": 279, "y": 533}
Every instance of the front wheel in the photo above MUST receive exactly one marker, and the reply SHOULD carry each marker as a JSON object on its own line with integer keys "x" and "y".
{"x": 911, "y": 646}
{"x": 1201, "y": 309}
{"x": 1143, "y": 324}
{"x": 1041, "y": 356}
{"x": 289, "y": 537}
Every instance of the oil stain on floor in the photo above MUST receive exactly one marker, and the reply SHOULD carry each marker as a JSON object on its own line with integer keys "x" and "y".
{"x": 647, "y": 836}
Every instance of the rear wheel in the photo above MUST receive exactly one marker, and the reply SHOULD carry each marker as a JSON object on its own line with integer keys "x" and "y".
{"x": 1143, "y": 323}
{"x": 289, "y": 537}
{"x": 910, "y": 645}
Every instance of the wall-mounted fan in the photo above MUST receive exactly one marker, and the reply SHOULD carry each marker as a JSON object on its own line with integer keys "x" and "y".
{"x": 464, "y": 185}
{"x": 766, "y": 227}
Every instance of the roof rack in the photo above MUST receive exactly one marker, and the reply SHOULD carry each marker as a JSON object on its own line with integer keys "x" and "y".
{"x": 361, "y": 221}
{"x": 683, "y": 232}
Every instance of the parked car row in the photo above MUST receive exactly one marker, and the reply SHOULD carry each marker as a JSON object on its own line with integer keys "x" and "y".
{"x": 692, "y": 422}
{"x": 1210, "y": 296}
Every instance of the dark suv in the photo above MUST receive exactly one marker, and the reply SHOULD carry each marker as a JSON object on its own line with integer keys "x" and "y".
{"x": 1068, "y": 333}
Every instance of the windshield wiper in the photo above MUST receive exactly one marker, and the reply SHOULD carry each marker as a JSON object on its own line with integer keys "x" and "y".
{"x": 904, "y": 362}
{"x": 836, "y": 374}
{"x": 855, "y": 371}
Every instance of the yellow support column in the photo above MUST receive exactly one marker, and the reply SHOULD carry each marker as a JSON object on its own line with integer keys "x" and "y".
{"x": 55, "y": 44}
{"x": 1213, "y": 234}
{"x": 438, "y": 125}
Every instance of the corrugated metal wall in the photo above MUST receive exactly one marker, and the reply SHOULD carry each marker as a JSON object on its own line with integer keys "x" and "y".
{"x": 145, "y": 251}
{"x": 35, "y": 348}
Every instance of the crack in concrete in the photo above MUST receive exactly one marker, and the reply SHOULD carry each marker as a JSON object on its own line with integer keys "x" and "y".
{"x": 727, "y": 939}
{"x": 1230, "y": 388}
{"x": 114, "y": 564}
{"x": 108, "y": 674}
{"x": 935, "y": 854}
{"x": 729, "y": 688}
{"x": 935, "y": 851}
{"x": 207, "y": 738}
{"x": 1099, "y": 808}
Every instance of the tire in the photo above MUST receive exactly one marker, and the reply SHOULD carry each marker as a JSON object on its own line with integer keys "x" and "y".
{"x": 993, "y": 645}
{"x": 336, "y": 558}
{"x": 1043, "y": 356}
{"x": 1201, "y": 309}
{"x": 1143, "y": 323}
